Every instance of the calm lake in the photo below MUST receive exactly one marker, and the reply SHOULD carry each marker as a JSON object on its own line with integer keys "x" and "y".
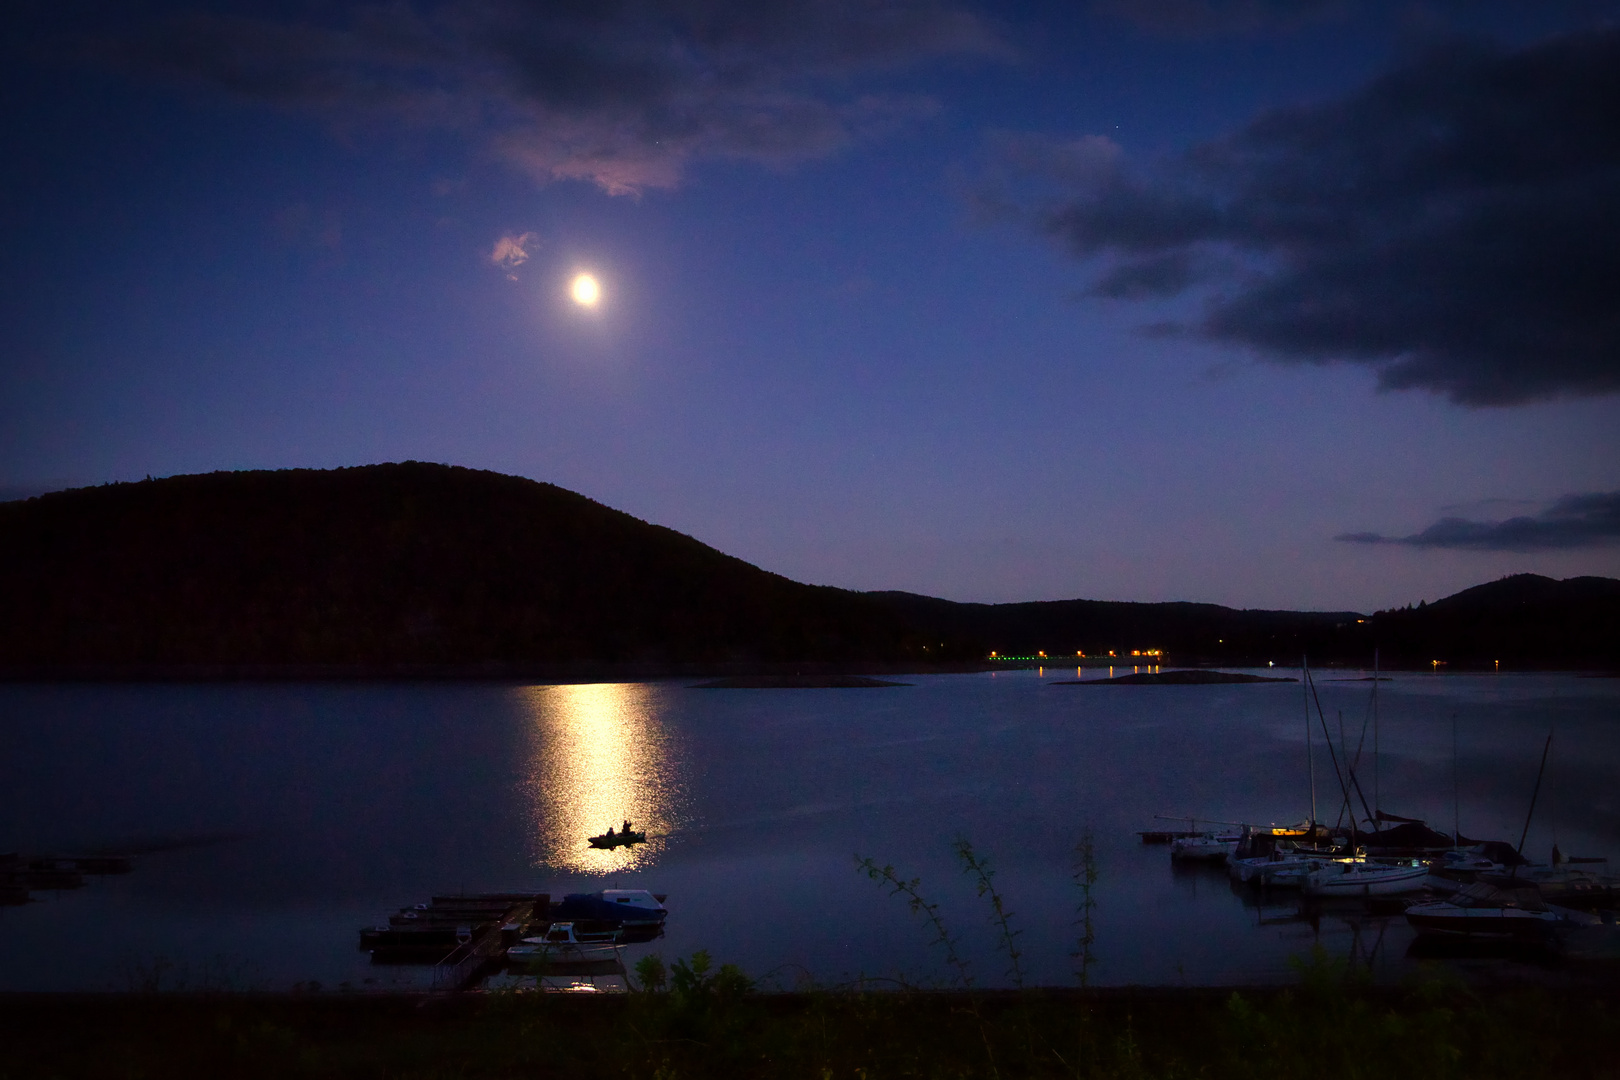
{"x": 272, "y": 821}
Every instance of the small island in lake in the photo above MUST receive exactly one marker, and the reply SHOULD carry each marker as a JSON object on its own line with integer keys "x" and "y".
{"x": 1172, "y": 678}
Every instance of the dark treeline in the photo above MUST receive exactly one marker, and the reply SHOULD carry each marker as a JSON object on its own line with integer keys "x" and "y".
{"x": 392, "y": 564}
{"x": 417, "y": 565}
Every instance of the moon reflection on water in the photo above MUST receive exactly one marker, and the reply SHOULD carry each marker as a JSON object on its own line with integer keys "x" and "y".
{"x": 599, "y": 755}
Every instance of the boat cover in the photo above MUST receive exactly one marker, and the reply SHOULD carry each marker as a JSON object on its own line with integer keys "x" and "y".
{"x": 579, "y": 906}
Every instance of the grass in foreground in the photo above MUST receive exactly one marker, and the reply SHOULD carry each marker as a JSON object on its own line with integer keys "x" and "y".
{"x": 715, "y": 1027}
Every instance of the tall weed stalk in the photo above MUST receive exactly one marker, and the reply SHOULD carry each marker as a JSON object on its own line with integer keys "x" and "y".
{"x": 978, "y": 868}
{"x": 1085, "y": 879}
{"x": 927, "y": 910}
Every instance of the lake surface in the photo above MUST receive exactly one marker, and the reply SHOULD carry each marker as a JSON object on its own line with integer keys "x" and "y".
{"x": 272, "y": 821}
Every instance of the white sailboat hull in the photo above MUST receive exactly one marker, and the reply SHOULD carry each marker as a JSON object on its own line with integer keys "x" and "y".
{"x": 1365, "y": 879}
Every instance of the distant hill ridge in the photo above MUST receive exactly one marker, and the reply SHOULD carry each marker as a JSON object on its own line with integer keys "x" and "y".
{"x": 403, "y": 563}
{"x": 421, "y": 565}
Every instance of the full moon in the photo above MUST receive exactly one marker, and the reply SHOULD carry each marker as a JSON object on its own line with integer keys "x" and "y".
{"x": 586, "y": 291}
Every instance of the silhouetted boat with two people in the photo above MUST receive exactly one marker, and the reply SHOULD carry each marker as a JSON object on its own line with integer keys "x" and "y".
{"x": 622, "y": 838}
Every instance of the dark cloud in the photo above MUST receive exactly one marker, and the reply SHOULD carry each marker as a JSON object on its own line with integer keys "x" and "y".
{"x": 1574, "y": 521}
{"x": 1455, "y": 224}
{"x": 622, "y": 94}
{"x": 1200, "y": 18}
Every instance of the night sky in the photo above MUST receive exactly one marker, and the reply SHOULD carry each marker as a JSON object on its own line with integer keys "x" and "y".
{"x": 1304, "y": 305}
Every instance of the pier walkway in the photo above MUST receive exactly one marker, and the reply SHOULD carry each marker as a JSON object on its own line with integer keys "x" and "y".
{"x": 468, "y": 964}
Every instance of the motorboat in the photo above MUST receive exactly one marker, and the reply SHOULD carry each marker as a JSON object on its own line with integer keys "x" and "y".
{"x": 568, "y": 933}
{"x": 1210, "y": 847}
{"x": 626, "y": 907}
{"x": 1455, "y": 869}
{"x": 1562, "y": 884}
{"x": 1282, "y": 870}
{"x": 611, "y": 839}
{"x": 1483, "y": 910}
{"x": 1357, "y": 878}
{"x": 1262, "y": 857}
{"x": 567, "y": 947}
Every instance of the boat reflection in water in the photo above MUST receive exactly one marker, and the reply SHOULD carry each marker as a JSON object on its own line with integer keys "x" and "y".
{"x": 599, "y": 755}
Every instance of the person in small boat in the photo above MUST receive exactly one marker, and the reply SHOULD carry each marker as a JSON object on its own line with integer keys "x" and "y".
{"x": 610, "y": 832}
{"x": 626, "y": 824}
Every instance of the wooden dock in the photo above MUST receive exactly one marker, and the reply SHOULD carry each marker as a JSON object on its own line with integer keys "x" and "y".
{"x": 470, "y": 962}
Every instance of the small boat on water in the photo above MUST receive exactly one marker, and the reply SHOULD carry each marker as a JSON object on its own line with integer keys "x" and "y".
{"x": 1455, "y": 869}
{"x": 1483, "y": 910}
{"x": 625, "y": 907}
{"x": 1282, "y": 870}
{"x": 1358, "y": 878}
{"x": 1562, "y": 884}
{"x": 1210, "y": 847}
{"x": 623, "y": 838}
{"x": 568, "y": 932}
{"x": 569, "y": 948}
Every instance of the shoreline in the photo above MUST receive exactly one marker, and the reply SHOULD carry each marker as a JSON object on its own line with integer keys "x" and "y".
{"x": 593, "y": 672}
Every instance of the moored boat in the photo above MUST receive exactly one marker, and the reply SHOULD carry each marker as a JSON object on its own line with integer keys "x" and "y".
{"x": 1483, "y": 910}
{"x": 1356, "y": 878}
{"x": 1211, "y": 847}
{"x": 1455, "y": 869}
{"x": 568, "y": 948}
{"x": 1562, "y": 884}
{"x": 629, "y": 907}
{"x": 1283, "y": 871}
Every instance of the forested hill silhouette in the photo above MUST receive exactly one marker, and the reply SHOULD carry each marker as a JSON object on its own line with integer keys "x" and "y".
{"x": 412, "y": 563}
{"x": 418, "y": 567}
{"x": 1185, "y": 632}
{"x": 1521, "y": 621}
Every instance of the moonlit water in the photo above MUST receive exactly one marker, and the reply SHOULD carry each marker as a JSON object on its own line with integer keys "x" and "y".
{"x": 272, "y": 821}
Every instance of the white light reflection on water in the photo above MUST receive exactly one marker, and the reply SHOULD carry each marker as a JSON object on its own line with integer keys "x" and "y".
{"x": 598, "y": 754}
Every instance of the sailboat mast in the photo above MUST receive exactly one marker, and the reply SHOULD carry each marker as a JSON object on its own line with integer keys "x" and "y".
{"x": 1534, "y": 795}
{"x": 1457, "y": 813}
{"x": 1310, "y": 758}
{"x": 1377, "y": 804}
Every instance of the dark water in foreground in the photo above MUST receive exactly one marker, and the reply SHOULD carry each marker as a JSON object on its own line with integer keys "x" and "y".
{"x": 278, "y": 819}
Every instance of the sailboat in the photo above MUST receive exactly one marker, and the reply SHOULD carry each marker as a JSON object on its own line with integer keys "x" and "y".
{"x": 1361, "y": 878}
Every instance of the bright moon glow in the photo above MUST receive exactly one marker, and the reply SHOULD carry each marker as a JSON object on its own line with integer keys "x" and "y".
{"x": 586, "y": 291}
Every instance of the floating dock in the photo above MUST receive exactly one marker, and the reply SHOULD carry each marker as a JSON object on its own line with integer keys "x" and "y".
{"x": 468, "y": 963}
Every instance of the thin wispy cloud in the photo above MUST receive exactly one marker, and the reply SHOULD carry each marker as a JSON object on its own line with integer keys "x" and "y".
{"x": 511, "y": 252}
{"x": 622, "y": 95}
{"x": 1575, "y": 521}
{"x": 1454, "y": 225}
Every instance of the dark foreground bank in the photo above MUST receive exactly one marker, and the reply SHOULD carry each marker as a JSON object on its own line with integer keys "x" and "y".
{"x": 1321, "y": 1029}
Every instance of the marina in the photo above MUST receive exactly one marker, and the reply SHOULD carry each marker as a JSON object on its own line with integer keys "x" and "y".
{"x": 1444, "y": 885}
{"x": 465, "y": 938}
